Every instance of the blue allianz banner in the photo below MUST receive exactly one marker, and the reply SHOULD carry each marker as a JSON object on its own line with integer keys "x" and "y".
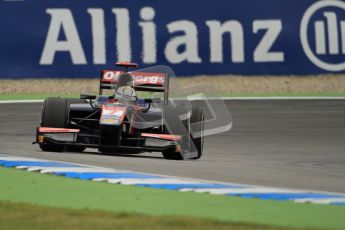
{"x": 64, "y": 38}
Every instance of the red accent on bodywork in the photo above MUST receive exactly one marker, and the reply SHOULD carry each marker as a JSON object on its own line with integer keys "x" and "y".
{"x": 162, "y": 136}
{"x": 111, "y": 101}
{"x": 57, "y": 130}
{"x": 109, "y": 112}
{"x": 136, "y": 109}
{"x": 140, "y": 78}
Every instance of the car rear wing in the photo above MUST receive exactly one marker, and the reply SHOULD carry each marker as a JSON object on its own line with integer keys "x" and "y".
{"x": 143, "y": 81}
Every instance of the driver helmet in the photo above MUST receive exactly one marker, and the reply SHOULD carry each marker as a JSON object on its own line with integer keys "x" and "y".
{"x": 125, "y": 90}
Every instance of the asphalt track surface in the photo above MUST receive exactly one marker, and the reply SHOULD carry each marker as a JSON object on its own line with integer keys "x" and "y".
{"x": 284, "y": 143}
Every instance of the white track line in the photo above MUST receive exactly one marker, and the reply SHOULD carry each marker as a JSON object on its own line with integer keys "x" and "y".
{"x": 21, "y": 159}
{"x": 320, "y": 201}
{"x": 126, "y": 181}
{"x": 10, "y": 157}
{"x": 79, "y": 170}
{"x": 49, "y": 170}
{"x": 20, "y": 101}
{"x": 235, "y": 191}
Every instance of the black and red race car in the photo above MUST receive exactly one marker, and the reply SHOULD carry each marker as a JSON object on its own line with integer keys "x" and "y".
{"x": 120, "y": 122}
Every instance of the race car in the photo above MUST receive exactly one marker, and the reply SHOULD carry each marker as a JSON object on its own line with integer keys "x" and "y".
{"x": 120, "y": 121}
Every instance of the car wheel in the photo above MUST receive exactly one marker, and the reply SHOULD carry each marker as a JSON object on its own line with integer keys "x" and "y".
{"x": 197, "y": 128}
{"x": 172, "y": 118}
{"x": 54, "y": 114}
{"x": 75, "y": 149}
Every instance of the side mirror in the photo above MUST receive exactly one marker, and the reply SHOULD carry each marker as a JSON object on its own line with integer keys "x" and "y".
{"x": 87, "y": 97}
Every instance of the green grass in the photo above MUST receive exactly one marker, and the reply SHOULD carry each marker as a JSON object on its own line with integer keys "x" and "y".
{"x": 54, "y": 191}
{"x": 42, "y": 96}
{"x": 27, "y": 216}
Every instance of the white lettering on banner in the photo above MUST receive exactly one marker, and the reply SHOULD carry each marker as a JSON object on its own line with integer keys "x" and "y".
{"x": 234, "y": 28}
{"x": 123, "y": 37}
{"x": 149, "y": 52}
{"x": 262, "y": 52}
{"x": 98, "y": 35}
{"x": 62, "y": 20}
{"x": 179, "y": 48}
{"x": 189, "y": 41}
{"x": 332, "y": 32}
{"x": 326, "y": 30}
{"x": 342, "y": 26}
{"x": 320, "y": 37}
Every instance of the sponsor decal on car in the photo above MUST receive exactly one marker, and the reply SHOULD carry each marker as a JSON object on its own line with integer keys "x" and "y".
{"x": 140, "y": 78}
{"x": 112, "y": 115}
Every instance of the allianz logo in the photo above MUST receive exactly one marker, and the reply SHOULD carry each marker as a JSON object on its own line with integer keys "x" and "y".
{"x": 181, "y": 46}
{"x": 333, "y": 37}
{"x": 326, "y": 42}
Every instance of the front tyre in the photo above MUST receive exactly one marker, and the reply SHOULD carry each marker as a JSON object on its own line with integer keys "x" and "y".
{"x": 197, "y": 130}
{"x": 172, "y": 119}
{"x": 54, "y": 114}
{"x": 172, "y": 155}
{"x": 196, "y": 135}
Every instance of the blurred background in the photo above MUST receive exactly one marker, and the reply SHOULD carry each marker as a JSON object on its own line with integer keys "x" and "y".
{"x": 243, "y": 48}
